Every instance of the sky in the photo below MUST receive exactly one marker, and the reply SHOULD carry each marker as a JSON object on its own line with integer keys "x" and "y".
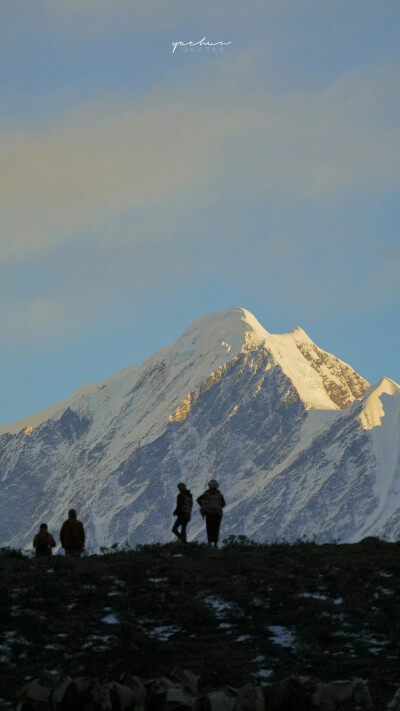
{"x": 142, "y": 187}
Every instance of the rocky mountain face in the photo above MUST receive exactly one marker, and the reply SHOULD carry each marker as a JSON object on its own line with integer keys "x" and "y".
{"x": 301, "y": 445}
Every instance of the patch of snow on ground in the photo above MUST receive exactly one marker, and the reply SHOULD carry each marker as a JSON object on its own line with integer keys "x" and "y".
{"x": 10, "y": 638}
{"x": 264, "y": 673}
{"x": 376, "y": 644}
{"x": 164, "y": 632}
{"x": 282, "y": 636}
{"x": 110, "y": 620}
{"x": 95, "y": 640}
{"x": 219, "y": 606}
{"x": 315, "y": 596}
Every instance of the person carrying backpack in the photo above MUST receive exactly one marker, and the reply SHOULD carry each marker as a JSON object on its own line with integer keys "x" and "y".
{"x": 183, "y": 512}
{"x": 72, "y": 535}
{"x": 211, "y": 504}
{"x": 43, "y": 542}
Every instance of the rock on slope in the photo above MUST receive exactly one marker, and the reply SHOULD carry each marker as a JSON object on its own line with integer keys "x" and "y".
{"x": 301, "y": 445}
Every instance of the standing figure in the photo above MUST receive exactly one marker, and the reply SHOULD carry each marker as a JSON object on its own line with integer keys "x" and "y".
{"x": 183, "y": 511}
{"x": 211, "y": 504}
{"x": 72, "y": 535}
{"x": 43, "y": 542}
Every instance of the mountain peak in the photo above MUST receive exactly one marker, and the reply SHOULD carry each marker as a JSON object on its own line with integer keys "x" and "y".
{"x": 212, "y": 341}
{"x": 238, "y": 328}
{"x": 321, "y": 380}
{"x": 236, "y": 322}
{"x": 373, "y": 407}
{"x": 300, "y": 336}
{"x": 227, "y": 331}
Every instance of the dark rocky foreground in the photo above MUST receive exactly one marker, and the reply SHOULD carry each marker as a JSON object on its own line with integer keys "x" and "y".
{"x": 244, "y": 612}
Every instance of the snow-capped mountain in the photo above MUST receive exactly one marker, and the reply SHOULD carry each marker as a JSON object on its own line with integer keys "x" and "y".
{"x": 301, "y": 445}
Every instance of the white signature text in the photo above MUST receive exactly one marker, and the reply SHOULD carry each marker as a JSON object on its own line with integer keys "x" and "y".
{"x": 201, "y": 43}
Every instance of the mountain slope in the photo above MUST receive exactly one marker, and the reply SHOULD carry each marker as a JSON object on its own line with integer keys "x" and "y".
{"x": 278, "y": 421}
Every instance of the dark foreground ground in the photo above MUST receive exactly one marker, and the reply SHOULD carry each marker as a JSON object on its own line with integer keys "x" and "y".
{"x": 243, "y": 613}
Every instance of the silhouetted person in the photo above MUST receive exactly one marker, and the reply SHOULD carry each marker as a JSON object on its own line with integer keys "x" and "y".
{"x": 183, "y": 511}
{"x": 72, "y": 535}
{"x": 211, "y": 504}
{"x": 43, "y": 542}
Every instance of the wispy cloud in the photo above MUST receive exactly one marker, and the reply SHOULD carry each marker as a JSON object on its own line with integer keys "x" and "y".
{"x": 69, "y": 179}
{"x": 72, "y": 176}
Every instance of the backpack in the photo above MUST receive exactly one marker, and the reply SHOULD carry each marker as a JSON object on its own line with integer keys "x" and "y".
{"x": 43, "y": 545}
{"x": 211, "y": 504}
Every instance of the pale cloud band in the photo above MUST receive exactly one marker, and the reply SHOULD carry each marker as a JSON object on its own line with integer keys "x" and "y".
{"x": 70, "y": 176}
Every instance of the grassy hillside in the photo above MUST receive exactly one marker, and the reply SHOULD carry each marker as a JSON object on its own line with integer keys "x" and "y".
{"x": 244, "y": 612}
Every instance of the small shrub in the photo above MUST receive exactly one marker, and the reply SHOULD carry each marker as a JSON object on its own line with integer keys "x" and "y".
{"x": 239, "y": 541}
{"x": 8, "y": 552}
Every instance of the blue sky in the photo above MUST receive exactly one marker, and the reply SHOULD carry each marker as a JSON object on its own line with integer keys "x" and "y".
{"x": 141, "y": 188}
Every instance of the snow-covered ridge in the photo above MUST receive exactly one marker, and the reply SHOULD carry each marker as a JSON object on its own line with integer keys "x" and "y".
{"x": 210, "y": 343}
{"x": 380, "y": 416}
{"x": 36, "y": 419}
{"x": 373, "y": 406}
{"x": 322, "y": 381}
{"x": 56, "y": 409}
